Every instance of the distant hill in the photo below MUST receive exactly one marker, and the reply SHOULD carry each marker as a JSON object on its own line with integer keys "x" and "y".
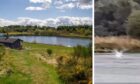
{"x": 111, "y": 16}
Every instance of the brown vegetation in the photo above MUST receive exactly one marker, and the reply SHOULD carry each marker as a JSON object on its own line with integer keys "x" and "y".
{"x": 104, "y": 44}
{"x": 76, "y": 69}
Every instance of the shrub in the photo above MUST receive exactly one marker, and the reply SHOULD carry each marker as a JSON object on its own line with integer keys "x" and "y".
{"x": 76, "y": 69}
{"x": 90, "y": 49}
{"x": 81, "y": 51}
{"x": 78, "y": 51}
{"x": 49, "y": 51}
{"x": 2, "y": 51}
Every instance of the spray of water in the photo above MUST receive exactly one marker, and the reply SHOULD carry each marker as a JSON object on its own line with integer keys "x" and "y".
{"x": 69, "y": 46}
{"x": 118, "y": 54}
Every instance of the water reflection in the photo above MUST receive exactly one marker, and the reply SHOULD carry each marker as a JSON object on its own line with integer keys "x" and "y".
{"x": 55, "y": 40}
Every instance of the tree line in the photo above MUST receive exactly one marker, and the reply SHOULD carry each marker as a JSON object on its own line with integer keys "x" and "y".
{"x": 83, "y": 30}
{"x": 114, "y": 17}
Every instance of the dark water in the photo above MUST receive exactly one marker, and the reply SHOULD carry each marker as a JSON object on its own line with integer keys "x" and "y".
{"x": 64, "y": 41}
{"x": 112, "y": 70}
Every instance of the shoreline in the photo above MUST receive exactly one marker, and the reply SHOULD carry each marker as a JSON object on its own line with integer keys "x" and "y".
{"x": 74, "y": 36}
{"x": 55, "y": 36}
{"x": 48, "y": 44}
{"x": 120, "y": 43}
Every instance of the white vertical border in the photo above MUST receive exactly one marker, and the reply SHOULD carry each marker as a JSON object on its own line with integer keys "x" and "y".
{"x": 93, "y": 20}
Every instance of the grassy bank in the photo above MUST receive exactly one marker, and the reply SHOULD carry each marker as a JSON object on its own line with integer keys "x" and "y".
{"x": 32, "y": 65}
{"x": 107, "y": 44}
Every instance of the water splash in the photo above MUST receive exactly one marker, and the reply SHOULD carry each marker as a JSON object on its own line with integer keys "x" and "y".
{"x": 69, "y": 46}
{"x": 118, "y": 54}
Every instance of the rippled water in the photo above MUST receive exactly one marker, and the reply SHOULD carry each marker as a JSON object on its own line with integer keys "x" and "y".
{"x": 112, "y": 70}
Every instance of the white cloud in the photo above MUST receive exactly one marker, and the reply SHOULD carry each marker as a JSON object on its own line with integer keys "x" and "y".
{"x": 66, "y": 6}
{"x": 69, "y": 4}
{"x": 4, "y": 22}
{"x": 29, "y": 21}
{"x": 61, "y": 4}
{"x": 53, "y": 22}
{"x": 34, "y": 8}
{"x": 45, "y": 4}
{"x": 84, "y": 4}
{"x": 40, "y": 1}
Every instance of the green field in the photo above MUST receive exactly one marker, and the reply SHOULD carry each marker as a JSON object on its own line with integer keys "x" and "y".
{"x": 32, "y": 64}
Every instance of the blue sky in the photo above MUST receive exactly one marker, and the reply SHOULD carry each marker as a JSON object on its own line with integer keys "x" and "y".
{"x": 12, "y": 10}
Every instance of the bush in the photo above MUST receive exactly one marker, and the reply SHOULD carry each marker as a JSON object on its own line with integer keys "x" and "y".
{"x": 49, "y": 51}
{"x": 80, "y": 51}
{"x": 72, "y": 71}
{"x": 2, "y": 51}
{"x": 76, "y": 69}
{"x": 134, "y": 24}
{"x": 90, "y": 49}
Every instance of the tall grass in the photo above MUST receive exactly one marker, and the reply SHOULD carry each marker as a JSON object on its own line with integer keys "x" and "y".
{"x": 25, "y": 66}
{"x": 120, "y": 43}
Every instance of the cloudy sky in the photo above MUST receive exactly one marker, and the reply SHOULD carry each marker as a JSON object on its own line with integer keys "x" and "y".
{"x": 45, "y": 12}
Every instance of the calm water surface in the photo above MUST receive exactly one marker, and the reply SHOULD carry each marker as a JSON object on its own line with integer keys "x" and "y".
{"x": 112, "y": 70}
{"x": 65, "y": 41}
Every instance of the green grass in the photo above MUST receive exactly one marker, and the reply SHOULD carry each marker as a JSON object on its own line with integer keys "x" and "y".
{"x": 16, "y": 78}
{"x": 28, "y": 68}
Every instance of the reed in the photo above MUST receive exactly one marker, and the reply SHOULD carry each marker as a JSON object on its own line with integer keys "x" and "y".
{"x": 120, "y": 42}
